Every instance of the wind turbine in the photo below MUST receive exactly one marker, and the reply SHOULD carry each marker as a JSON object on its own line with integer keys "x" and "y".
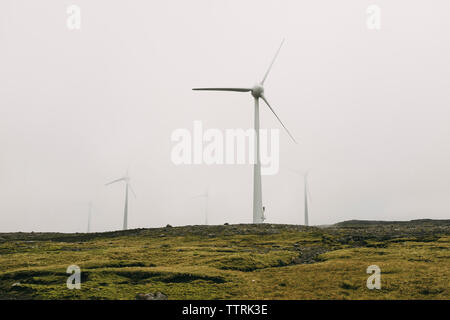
{"x": 206, "y": 196}
{"x": 257, "y": 91}
{"x": 126, "y": 179}
{"x": 306, "y": 195}
{"x": 89, "y": 217}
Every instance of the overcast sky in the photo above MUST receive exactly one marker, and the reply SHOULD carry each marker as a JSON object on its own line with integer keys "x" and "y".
{"x": 370, "y": 109}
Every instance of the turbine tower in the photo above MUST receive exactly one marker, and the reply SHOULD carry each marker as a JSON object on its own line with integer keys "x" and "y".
{"x": 206, "y": 196}
{"x": 306, "y": 199}
{"x": 306, "y": 194}
{"x": 89, "y": 217}
{"x": 126, "y": 179}
{"x": 257, "y": 91}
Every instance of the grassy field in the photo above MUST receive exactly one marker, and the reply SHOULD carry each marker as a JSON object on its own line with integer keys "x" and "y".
{"x": 233, "y": 262}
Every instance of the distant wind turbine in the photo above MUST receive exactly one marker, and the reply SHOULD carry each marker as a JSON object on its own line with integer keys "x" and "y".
{"x": 306, "y": 194}
{"x": 89, "y": 217}
{"x": 126, "y": 179}
{"x": 257, "y": 92}
{"x": 206, "y": 197}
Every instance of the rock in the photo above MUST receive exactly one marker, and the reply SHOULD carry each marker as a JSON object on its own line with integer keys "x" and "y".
{"x": 151, "y": 296}
{"x": 17, "y": 286}
{"x": 297, "y": 260}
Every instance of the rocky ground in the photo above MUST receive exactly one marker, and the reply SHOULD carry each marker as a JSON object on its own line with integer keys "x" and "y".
{"x": 232, "y": 261}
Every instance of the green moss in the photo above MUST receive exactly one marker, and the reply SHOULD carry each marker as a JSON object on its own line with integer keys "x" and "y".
{"x": 236, "y": 261}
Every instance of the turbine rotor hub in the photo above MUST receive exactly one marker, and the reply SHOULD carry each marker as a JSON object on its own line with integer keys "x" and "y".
{"x": 257, "y": 91}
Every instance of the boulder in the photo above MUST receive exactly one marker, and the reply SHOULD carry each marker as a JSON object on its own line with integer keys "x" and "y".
{"x": 151, "y": 296}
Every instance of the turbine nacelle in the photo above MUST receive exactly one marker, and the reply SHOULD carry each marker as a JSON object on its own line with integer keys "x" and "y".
{"x": 257, "y": 91}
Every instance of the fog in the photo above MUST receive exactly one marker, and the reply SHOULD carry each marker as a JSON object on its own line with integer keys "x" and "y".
{"x": 369, "y": 108}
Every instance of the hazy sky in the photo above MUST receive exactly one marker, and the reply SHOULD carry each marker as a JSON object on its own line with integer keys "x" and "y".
{"x": 370, "y": 108}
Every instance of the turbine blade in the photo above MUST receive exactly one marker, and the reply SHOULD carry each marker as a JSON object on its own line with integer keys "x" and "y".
{"x": 131, "y": 189}
{"x": 265, "y": 100}
{"x": 273, "y": 61}
{"x": 223, "y": 89}
{"x": 114, "y": 181}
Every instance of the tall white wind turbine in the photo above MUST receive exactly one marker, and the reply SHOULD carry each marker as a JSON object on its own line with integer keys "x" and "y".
{"x": 257, "y": 92}
{"x": 125, "y": 179}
